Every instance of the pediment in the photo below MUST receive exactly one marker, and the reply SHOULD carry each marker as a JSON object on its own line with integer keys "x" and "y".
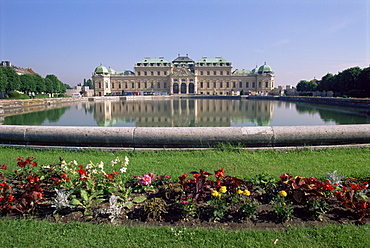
{"x": 178, "y": 72}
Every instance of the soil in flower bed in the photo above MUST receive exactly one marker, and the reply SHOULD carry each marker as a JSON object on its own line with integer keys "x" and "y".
{"x": 265, "y": 217}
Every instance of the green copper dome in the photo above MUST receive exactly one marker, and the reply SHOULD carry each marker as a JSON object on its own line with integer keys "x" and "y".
{"x": 264, "y": 69}
{"x": 101, "y": 70}
{"x": 111, "y": 71}
{"x": 255, "y": 70}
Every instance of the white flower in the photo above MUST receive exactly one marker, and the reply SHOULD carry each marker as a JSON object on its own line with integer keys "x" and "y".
{"x": 123, "y": 169}
{"x": 101, "y": 165}
{"x": 126, "y": 161}
{"x": 88, "y": 166}
{"x": 94, "y": 171}
{"x": 74, "y": 162}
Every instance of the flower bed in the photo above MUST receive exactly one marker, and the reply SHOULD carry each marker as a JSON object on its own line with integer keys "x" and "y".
{"x": 100, "y": 193}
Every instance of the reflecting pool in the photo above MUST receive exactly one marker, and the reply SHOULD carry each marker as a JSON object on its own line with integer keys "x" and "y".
{"x": 175, "y": 112}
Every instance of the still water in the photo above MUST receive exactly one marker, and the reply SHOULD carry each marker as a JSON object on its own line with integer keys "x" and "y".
{"x": 190, "y": 113}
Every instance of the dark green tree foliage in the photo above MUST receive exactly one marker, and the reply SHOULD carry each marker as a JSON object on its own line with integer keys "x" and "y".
{"x": 3, "y": 79}
{"x": 306, "y": 86}
{"x": 40, "y": 83}
{"x": 13, "y": 81}
{"x": 28, "y": 83}
{"x": 364, "y": 81}
{"x": 49, "y": 86}
{"x": 88, "y": 83}
{"x": 352, "y": 82}
{"x": 58, "y": 86}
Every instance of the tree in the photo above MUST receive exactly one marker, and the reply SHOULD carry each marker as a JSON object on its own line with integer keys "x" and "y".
{"x": 39, "y": 82}
{"x": 88, "y": 83}
{"x": 28, "y": 83}
{"x": 364, "y": 81}
{"x": 348, "y": 79}
{"x": 49, "y": 86}
{"x": 326, "y": 83}
{"x": 58, "y": 86}
{"x": 13, "y": 82}
{"x": 304, "y": 85}
{"x": 3, "y": 80}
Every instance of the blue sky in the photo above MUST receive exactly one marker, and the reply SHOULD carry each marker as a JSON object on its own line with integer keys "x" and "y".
{"x": 299, "y": 39}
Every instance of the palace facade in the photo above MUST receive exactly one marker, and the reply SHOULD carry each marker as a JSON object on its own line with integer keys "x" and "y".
{"x": 207, "y": 76}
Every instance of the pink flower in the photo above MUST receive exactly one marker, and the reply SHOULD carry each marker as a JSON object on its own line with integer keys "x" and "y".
{"x": 152, "y": 175}
{"x": 184, "y": 202}
{"x": 145, "y": 180}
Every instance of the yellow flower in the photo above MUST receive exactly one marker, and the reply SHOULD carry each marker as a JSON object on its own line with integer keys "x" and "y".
{"x": 246, "y": 192}
{"x": 223, "y": 189}
{"x": 239, "y": 191}
{"x": 214, "y": 193}
{"x": 283, "y": 193}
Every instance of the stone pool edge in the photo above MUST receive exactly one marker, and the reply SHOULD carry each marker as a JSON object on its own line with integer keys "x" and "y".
{"x": 141, "y": 138}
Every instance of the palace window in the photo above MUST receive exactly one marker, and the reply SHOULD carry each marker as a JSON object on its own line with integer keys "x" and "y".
{"x": 158, "y": 73}
{"x": 214, "y": 85}
{"x": 159, "y": 85}
{"x": 138, "y": 85}
{"x": 227, "y": 73}
{"x": 240, "y": 84}
{"x": 112, "y": 86}
{"x": 138, "y": 73}
{"x": 247, "y": 84}
{"x": 152, "y": 73}
{"x": 208, "y": 73}
{"x": 220, "y": 84}
{"x": 234, "y": 84}
{"x": 164, "y": 85}
{"x": 119, "y": 86}
{"x": 133, "y": 85}
{"x": 201, "y": 84}
{"x": 227, "y": 85}
{"x": 214, "y": 72}
{"x": 106, "y": 85}
{"x": 267, "y": 84}
{"x": 259, "y": 84}
{"x": 254, "y": 85}
{"x": 208, "y": 85}
{"x": 145, "y": 73}
{"x": 165, "y": 73}
{"x": 221, "y": 73}
{"x": 201, "y": 72}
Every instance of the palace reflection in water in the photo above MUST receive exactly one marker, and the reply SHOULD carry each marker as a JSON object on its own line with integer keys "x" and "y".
{"x": 178, "y": 112}
{"x": 184, "y": 113}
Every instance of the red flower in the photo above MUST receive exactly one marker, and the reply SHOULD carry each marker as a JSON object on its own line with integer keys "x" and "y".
{"x": 3, "y": 167}
{"x": 220, "y": 173}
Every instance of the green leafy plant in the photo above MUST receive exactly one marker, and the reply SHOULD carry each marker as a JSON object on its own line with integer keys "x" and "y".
{"x": 187, "y": 207}
{"x": 283, "y": 209}
{"x": 317, "y": 207}
{"x": 155, "y": 208}
{"x": 88, "y": 199}
{"x": 217, "y": 205}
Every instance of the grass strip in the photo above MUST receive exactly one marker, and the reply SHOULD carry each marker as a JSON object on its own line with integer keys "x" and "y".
{"x": 353, "y": 162}
{"x": 28, "y": 232}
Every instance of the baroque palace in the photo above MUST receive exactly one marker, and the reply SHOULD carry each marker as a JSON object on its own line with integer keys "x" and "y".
{"x": 207, "y": 76}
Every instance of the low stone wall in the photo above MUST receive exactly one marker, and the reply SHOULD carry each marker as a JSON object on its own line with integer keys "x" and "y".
{"x": 347, "y": 102}
{"x": 7, "y": 106}
{"x": 184, "y": 137}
